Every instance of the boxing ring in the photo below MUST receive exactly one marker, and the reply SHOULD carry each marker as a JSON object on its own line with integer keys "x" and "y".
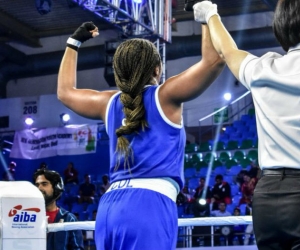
{"x": 186, "y": 223}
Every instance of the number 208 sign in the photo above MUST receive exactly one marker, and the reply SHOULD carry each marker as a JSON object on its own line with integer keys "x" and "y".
{"x": 30, "y": 108}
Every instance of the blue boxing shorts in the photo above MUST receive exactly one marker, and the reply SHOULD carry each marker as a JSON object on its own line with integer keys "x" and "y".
{"x": 136, "y": 219}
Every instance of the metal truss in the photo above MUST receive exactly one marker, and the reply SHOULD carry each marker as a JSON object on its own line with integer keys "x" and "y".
{"x": 161, "y": 47}
{"x": 135, "y": 18}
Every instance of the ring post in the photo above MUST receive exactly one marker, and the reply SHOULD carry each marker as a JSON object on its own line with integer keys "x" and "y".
{"x": 22, "y": 216}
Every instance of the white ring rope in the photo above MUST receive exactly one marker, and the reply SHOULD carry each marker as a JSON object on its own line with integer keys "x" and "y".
{"x": 203, "y": 221}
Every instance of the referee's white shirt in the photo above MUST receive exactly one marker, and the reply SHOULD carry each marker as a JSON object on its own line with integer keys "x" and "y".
{"x": 274, "y": 81}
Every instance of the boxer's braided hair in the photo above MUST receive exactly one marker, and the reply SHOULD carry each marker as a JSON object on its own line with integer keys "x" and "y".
{"x": 135, "y": 62}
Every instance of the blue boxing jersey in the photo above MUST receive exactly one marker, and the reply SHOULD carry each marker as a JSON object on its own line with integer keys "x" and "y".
{"x": 158, "y": 150}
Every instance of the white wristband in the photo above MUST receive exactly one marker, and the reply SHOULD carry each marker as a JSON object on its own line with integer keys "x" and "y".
{"x": 73, "y": 42}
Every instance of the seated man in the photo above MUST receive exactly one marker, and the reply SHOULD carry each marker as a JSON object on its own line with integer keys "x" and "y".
{"x": 86, "y": 191}
{"x": 201, "y": 208}
{"x": 51, "y": 185}
{"x": 221, "y": 192}
{"x": 221, "y": 230}
{"x": 202, "y": 192}
{"x": 184, "y": 199}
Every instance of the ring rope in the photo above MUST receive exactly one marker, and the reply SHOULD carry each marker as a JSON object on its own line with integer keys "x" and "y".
{"x": 184, "y": 222}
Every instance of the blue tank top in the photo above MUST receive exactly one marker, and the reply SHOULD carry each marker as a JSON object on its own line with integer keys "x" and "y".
{"x": 158, "y": 150}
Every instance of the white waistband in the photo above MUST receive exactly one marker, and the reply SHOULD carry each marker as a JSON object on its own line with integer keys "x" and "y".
{"x": 162, "y": 186}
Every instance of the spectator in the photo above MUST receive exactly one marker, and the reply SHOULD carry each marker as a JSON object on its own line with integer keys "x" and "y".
{"x": 51, "y": 185}
{"x": 86, "y": 190}
{"x": 43, "y": 165}
{"x": 105, "y": 182}
{"x": 223, "y": 230}
{"x": 221, "y": 192}
{"x": 71, "y": 174}
{"x": 181, "y": 197}
{"x": 202, "y": 199}
{"x": 101, "y": 191}
{"x": 247, "y": 189}
{"x": 240, "y": 177}
{"x": 187, "y": 194}
{"x": 9, "y": 174}
{"x": 185, "y": 199}
{"x": 201, "y": 208}
{"x": 221, "y": 211}
{"x": 254, "y": 170}
{"x": 237, "y": 231}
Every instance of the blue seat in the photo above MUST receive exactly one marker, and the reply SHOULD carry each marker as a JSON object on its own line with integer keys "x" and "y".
{"x": 90, "y": 209}
{"x": 230, "y": 208}
{"x": 74, "y": 189}
{"x": 193, "y": 183}
{"x": 230, "y": 163}
{"x": 248, "y": 135}
{"x": 243, "y": 209}
{"x": 236, "y": 199}
{"x": 220, "y": 170}
{"x": 238, "y": 123}
{"x": 202, "y": 172}
{"x": 229, "y": 130}
{"x": 228, "y": 179}
{"x": 200, "y": 164}
{"x": 252, "y": 128}
{"x": 78, "y": 208}
{"x": 211, "y": 181}
{"x": 240, "y": 126}
{"x": 224, "y": 136}
{"x": 190, "y": 172}
{"x": 234, "y": 170}
{"x": 235, "y": 190}
{"x": 236, "y": 136}
{"x": 180, "y": 211}
{"x": 83, "y": 216}
{"x": 246, "y": 118}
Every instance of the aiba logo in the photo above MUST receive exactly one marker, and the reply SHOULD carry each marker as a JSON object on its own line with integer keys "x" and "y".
{"x": 23, "y": 215}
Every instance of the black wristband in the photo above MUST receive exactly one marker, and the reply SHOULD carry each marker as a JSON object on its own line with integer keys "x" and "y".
{"x": 72, "y": 47}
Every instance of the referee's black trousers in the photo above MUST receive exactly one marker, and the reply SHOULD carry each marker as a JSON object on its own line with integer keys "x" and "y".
{"x": 276, "y": 210}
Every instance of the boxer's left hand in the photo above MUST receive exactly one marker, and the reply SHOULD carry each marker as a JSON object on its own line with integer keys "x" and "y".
{"x": 85, "y": 32}
{"x": 204, "y": 10}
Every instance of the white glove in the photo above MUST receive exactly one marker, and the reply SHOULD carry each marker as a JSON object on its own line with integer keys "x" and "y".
{"x": 204, "y": 10}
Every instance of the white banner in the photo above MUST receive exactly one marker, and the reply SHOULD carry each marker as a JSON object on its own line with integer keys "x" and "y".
{"x": 68, "y": 140}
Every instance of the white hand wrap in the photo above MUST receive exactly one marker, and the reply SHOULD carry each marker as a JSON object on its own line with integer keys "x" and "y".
{"x": 204, "y": 10}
